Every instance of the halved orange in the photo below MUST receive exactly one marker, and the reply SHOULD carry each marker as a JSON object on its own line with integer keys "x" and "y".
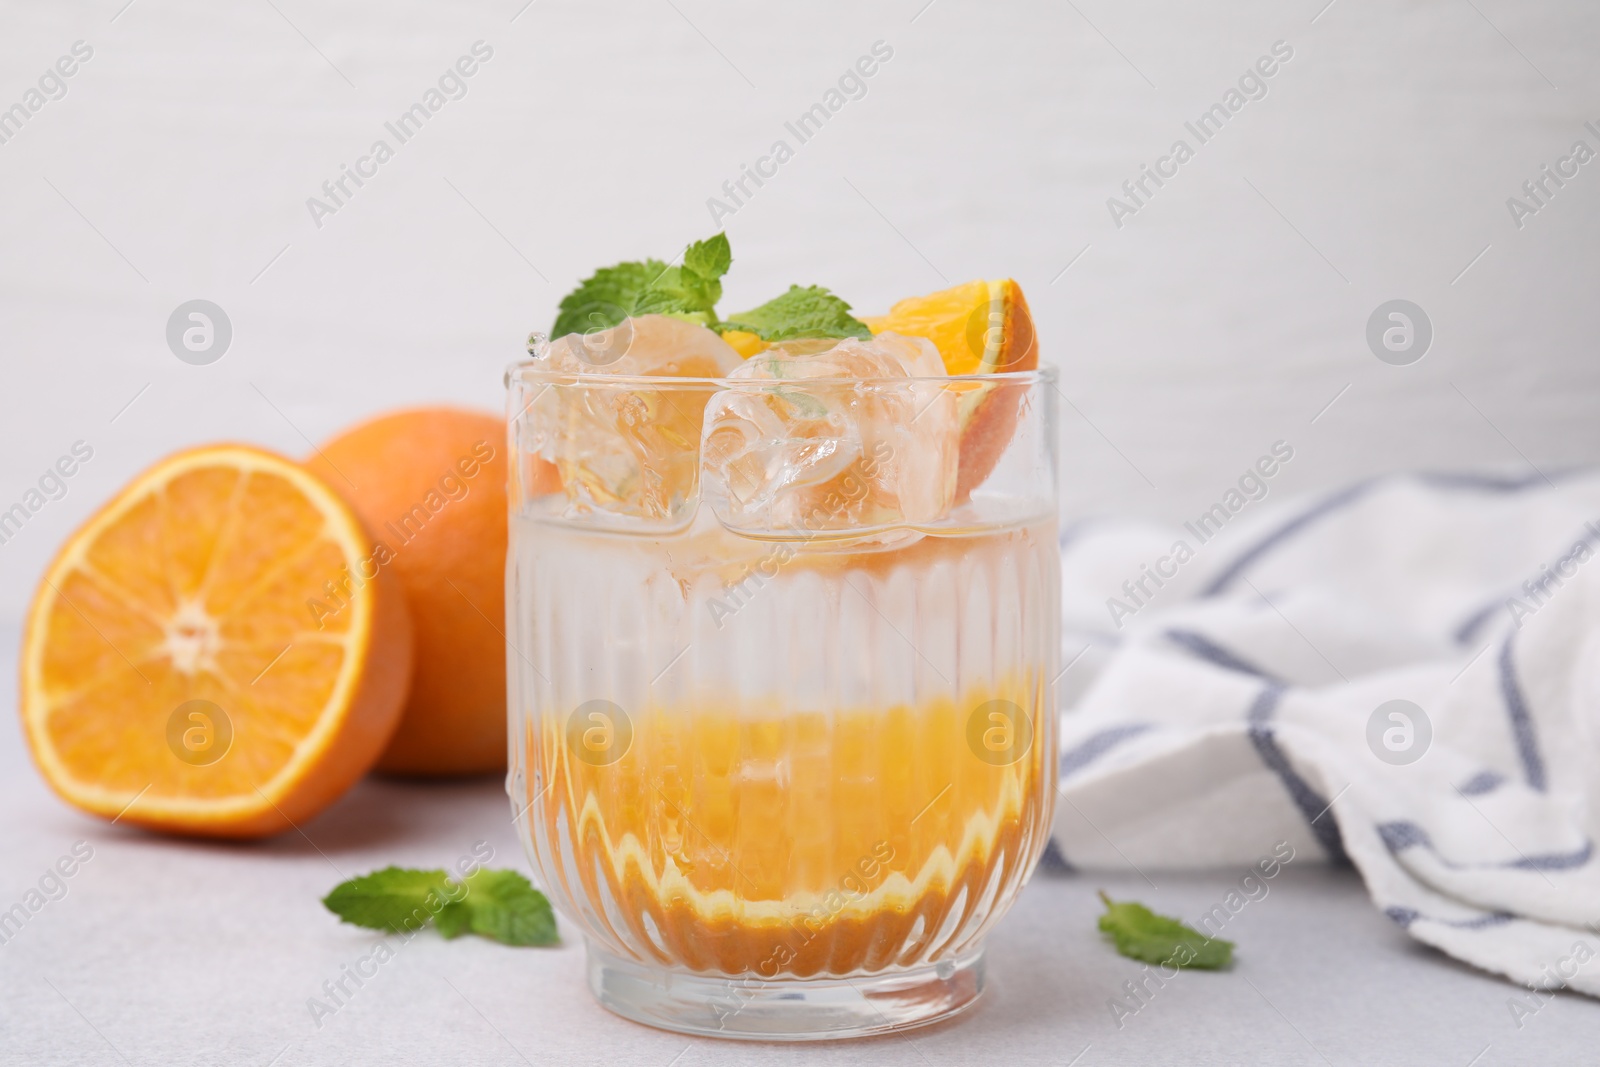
{"x": 216, "y": 651}
{"x": 981, "y": 327}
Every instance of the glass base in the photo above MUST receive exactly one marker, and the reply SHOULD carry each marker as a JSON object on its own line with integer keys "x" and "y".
{"x": 786, "y": 1009}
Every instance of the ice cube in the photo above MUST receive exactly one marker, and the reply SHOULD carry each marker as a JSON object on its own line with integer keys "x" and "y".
{"x": 624, "y": 449}
{"x": 811, "y": 437}
{"x": 649, "y": 345}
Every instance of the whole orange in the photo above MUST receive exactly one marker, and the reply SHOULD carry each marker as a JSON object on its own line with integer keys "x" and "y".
{"x": 430, "y": 483}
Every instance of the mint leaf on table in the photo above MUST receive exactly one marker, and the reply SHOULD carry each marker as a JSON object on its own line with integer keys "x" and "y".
{"x": 386, "y": 899}
{"x": 503, "y": 906}
{"x": 1141, "y": 934}
{"x": 804, "y": 311}
{"x": 453, "y": 920}
{"x": 500, "y": 905}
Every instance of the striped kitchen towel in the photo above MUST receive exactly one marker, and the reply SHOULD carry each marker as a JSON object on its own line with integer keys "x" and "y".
{"x": 1403, "y": 676}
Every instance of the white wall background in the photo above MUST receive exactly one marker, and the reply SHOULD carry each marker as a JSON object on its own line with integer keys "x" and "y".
{"x": 1222, "y": 317}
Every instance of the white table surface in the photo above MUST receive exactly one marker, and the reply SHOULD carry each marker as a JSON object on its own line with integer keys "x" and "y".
{"x": 168, "y": 952}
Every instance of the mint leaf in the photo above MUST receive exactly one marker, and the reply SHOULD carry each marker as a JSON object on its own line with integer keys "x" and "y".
{"x": 1141, "y": 934}
{"x": 651, "y": 287}
{"x": 673, "y": 293}
{"x": 453, "y": 920}
{"x": 392, "y": 899}
{"x": 694, "y": 288}
{"x": 500, "y": 905}
{"x": 710, "y": 258}
{"x": 605, "y": 298}
{"x": 804, "y": 311}
{"x": 505, "y": 907}
{"x": 691, "y": 291}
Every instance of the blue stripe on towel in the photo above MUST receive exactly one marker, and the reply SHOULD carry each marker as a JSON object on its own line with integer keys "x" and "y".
{"x": 1403, "y": 834}
{"x": 1521, "y": 720}
{"x": 1556, "y": 861}
{"x": 1474, "y": 622}
{"x": 1312, "y": 805}
{"x": 1215, "y": 654}
{"x": 1465, "y": 632}
{"x": 1076, "y": 759}
{"x": 1052, "y": 861}
{"x": 1406, "y": 916}
{"x": 1488, "y": 483}
{"x": 1481, "y": 783}
{"x": 1333, "y": 503}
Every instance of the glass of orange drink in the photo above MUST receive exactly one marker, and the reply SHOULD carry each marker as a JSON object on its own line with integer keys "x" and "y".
{"x": 784, "y": 633}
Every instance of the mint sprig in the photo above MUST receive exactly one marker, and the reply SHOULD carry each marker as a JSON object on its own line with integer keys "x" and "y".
{"x": 804, "y": 311}
{"x": 500, "y": 905}
{"x": 651, "y": 287}
{"x": 606, "y": 297}
{"x": 691, "y": 291}
{"x": 1141, "y": 934}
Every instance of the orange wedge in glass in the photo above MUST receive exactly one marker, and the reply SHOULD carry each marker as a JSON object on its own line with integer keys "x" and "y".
{"x": 981, "y": 327}
{"x": 219, "y": 651}
{"x": 745, "y": 343}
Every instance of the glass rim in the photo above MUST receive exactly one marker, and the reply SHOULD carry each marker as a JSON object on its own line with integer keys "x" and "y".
{"x": 529, "y": 371}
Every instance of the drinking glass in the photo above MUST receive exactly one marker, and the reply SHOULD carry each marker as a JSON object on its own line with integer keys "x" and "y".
{"x": 782, "y": 749}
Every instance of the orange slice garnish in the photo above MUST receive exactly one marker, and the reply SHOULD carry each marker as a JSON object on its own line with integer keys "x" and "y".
{"x": 981, "y": 327}
{"x": 745, "y": 343}
{"x": 216, "y": 651}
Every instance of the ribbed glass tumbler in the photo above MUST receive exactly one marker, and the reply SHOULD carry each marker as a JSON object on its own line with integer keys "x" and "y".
{"x": 781, "y": 712}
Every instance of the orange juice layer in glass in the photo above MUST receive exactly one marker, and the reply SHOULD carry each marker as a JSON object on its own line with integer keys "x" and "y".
{"x": 759, "y": 809}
